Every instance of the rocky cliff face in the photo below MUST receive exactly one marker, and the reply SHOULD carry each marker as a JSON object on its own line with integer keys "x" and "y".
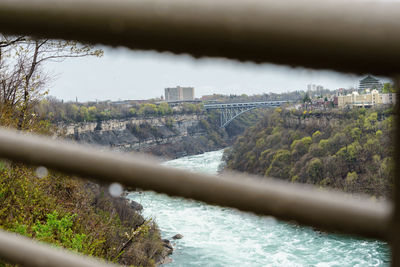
{"x": 182, "y": 122}
{"x": 135, "y": 133}
{"x": 320, "y": 119}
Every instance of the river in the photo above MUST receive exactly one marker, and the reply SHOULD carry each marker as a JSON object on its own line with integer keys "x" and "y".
{"x": 217, "y": 236}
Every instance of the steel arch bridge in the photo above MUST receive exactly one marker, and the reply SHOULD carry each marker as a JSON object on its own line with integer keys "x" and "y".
{"x": 229, "y": 111}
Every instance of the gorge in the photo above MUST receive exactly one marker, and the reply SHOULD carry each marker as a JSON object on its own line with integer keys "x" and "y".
{"x": 219, "y": 236}
{"x": 224, "y": 236}
{"x": 170, "y": 136}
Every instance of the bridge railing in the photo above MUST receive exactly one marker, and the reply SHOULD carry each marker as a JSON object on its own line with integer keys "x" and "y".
{"x": 350, "y": 36}
{"x": 246, "y": 104}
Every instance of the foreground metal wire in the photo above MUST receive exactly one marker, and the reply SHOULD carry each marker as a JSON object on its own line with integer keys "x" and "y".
{"x": 357, "y": 36}
{"x": 26, "y": 252}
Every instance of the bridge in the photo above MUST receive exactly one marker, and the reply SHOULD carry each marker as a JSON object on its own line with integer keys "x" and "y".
{"x": 229, "y": 111}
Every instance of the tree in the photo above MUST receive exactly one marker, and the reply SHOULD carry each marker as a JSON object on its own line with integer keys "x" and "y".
{"x": 316, "y": 136}
{"x": 22, "y": 79}
{"x": 147, "y": 109}
{"x": 356, "y": 133}
{"x": 351, "y": 179}
{"x": 300, "y": 147}
{"x": 280, "y": 165}
{"x": 371, "y": 121}
{"x": 315, "y": 170}
{"x": 306, "y": 98}
{"x": 388, "y": 88}
{"x": 164, "y": 109}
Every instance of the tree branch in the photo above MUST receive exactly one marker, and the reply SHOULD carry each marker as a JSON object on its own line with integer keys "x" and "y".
{"x": 8, "y": 43}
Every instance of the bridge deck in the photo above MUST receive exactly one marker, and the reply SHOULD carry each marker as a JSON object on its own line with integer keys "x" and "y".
{"x": 245, "y": 105}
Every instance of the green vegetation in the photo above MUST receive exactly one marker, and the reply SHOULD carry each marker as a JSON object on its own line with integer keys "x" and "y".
{"x": 388, "y": 88}
{"x": 75, "y": 214}
{"x": 348, "y": 150}
{"x": 66, "y": 212}
{"x": 57, "y": 111}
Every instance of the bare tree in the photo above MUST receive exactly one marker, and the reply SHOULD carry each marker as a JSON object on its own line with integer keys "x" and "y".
{"x": 22, "y": 79}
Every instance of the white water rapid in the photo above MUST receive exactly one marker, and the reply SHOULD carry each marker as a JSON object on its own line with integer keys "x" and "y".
{"x": 216, "y": 236}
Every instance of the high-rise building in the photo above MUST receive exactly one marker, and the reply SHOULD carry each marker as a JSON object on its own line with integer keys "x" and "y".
{"x": 370, "y": 82}
{"x": 311, "y": 87}
{"x": 314, "y": 87}
{"x": 187, "y": 93}
{"x": 172, "y": 94}
{"x": 179, "y": 94}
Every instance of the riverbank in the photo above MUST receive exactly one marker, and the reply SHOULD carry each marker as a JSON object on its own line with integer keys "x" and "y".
{"x": 76, "y": 214}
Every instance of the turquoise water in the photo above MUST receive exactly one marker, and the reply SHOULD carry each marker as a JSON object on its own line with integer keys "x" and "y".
{"x": 215, "y": 236}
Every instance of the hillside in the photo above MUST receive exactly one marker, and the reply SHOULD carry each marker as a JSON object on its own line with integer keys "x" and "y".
{"x": 346, "y": 150}
{"x": 76, "y": 214}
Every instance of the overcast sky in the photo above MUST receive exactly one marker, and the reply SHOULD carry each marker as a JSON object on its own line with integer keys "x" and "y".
{"x": 126, "y": 74}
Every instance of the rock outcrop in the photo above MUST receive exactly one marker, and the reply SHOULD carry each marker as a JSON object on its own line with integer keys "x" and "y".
{"x": 177, "y": 236}
{"x": 136, "y": 134}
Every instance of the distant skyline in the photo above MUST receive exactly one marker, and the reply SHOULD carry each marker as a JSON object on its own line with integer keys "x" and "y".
{"x": 126, "y": 74}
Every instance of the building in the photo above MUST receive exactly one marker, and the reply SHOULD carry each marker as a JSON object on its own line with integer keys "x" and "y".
{"x": 187, "y": 93}
{"x": 172, "y": 94}
{"x": 369, "y": 99}
{"x": 179, "y": 94}
{"x": 370, "y": 82}
{"x": 356, "y": 100}
{"x": 311, "y": 87}
{"x": 315, "y": 90}
{"x": 388, "y": 99}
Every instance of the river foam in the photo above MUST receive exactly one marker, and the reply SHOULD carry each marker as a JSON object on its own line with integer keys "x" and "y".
{"x": 217, "y": 236}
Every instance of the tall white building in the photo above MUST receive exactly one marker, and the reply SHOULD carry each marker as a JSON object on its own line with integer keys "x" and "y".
{"x": 179, "y": 94}
{"x": 311, "y": 87}
{"x": 314, "y": 87}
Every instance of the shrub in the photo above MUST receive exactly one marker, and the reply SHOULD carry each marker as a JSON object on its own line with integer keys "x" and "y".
{"x": 315, "y": 170}
{"x": 280, "y": 165}
{"x": 316, "y": 136}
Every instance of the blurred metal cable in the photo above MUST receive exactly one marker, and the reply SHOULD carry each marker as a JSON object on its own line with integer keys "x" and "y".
{"x": 26, "y": 252}
{"x": 356, "y": 36}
